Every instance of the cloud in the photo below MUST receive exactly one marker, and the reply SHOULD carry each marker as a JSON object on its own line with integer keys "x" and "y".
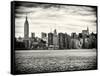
{"x": 65, "y": 18}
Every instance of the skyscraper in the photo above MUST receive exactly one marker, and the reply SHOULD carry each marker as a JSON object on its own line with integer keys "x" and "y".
{"x": 50, "y": 39}
{"x": 26, "y": 29}
{"x": 55, "y": 39}
{"x": 85, "y": 33}
{"x": 44, "y": 38}
{"x": 65, "y": 41}
{"x": 88, "y": 30}
{"x": 61, "y": 40}
{"x": 26, "y": 33}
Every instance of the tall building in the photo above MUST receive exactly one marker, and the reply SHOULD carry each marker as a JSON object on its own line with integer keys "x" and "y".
{"x": 88, "y": 30}
{"x": 55, "y": 39}
{"x": 80, "y": 37}
{"x": 85, "y": 33}
{"x": 26, "y": 33}
{"x": 26, "y": 29}
{"x": 75, "y": 42}
{"x": 66, "y": 41}
{"x": 50, "y": 39}
{"x": 44, "y": 38}
{"x": 61, "y": 40}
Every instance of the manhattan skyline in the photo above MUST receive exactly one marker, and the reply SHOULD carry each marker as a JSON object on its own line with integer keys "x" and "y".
{"x": 46, "y": 18}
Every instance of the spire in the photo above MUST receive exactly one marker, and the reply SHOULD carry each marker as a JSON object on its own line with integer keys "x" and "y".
{"x": 26, "y": 19}
{"x": 26, "y": 28}
{"x": 26, "y": 16}
{"x": 55, "y": 32}
{"x": 88, "y": 30}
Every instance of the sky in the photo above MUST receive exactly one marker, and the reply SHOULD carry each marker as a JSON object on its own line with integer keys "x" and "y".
{"x": 47, "y": 17}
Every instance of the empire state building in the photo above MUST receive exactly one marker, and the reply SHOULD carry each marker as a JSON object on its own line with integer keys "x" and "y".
{"x": 26, "y": 33}
{"x": 26, "y": 29}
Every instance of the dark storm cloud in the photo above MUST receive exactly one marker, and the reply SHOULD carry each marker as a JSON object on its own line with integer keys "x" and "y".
{"x": 16, "y": 16}
{"x": 30, "y": 4}
{"x": 26, "y": 5}
{"x": 81, "y": 10}
{"x": 21, "y": 12}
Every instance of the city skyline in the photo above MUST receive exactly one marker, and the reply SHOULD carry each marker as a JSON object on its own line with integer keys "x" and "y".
{"x": 64, "y": 18}
{"x": 51, "y": 37}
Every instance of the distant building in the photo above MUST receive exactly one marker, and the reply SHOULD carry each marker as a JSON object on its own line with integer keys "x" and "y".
{"x": 68, "y": 42}
{"x": 50, "y": 39}
{"x": 26, "y": 29}
{"x": 93, "y": 40}
{"x": 74, "y": 35}
{"x": 44, "y": 38}
{"x": 75, "y": 44}
{"x": 20, "y": 39}
{"x": 32, "y": 35}
{"x": 43, "y": 35}
{"x": 26, "y": 33}
{"x": 61, "y": 40}
{"x": 65, "y": 41}
{"x": 80, "y": 35}
{"x": 86, "y": 43}
{"x": 55, "y": 39}
{"x": 76, "y": 41}
{"x": 19, "y": 44}
{"x": 85, "y": 32}
{"x": 81, "y": 42}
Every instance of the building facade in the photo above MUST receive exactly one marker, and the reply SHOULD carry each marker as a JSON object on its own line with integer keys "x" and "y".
{"x": 50, "y": 39}
{"x": 61, "y": 40}
{"x": 32, "y": 35}
{"x": 55, "y": 40}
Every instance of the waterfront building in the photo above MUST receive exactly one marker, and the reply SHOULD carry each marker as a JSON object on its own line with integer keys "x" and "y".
{"x": 50, "y": 39}
{"x": 55, "y": 39}
{"x": 61, "y": 40}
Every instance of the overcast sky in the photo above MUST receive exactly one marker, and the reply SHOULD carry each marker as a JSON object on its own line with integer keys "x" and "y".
{"x": 47, "y": 17}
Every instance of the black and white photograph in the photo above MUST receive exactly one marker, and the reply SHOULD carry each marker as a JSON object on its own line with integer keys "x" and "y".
{"x": 51, "y": 37}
